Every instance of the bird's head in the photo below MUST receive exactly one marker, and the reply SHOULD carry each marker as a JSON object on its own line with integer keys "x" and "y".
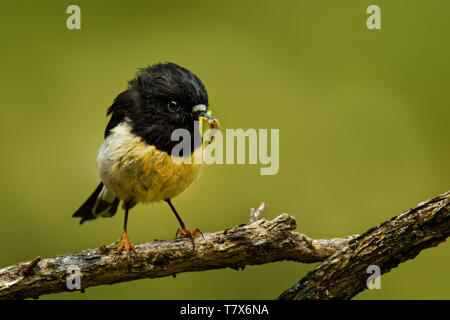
{"x": 162, "y": 98}
{"x": 172, "y": 95}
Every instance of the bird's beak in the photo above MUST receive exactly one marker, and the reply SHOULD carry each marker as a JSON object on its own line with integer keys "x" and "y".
{"x": 205, "y": 117}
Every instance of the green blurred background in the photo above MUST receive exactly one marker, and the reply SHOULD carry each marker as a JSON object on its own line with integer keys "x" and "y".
{"x": 363, "y": 118}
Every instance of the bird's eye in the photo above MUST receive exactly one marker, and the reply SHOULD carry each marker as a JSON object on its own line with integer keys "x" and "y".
{"x": 173, "y": 106}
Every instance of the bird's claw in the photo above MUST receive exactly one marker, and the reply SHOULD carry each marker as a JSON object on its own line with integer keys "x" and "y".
{"x": 185, "y": 232}
{"x": 126, "y": 244}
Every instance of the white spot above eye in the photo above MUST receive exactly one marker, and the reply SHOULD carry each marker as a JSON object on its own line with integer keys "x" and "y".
{"x": 199, "y": 108}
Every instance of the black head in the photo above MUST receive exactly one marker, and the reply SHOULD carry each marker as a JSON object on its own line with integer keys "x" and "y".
{"x": 161, "y": 98}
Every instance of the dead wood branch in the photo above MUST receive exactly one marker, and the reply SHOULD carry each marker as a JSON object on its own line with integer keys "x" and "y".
{"x": 344, "y": 274}
{"x": 256, "y": 243}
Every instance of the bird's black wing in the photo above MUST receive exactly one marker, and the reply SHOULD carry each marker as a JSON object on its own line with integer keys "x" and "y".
{"x": 124, "y": 104}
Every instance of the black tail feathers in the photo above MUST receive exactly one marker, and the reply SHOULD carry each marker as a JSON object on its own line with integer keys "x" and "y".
{"x": 99, "y": 204}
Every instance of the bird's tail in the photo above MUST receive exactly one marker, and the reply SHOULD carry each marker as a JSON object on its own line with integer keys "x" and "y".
{"x": 101, "y": 203}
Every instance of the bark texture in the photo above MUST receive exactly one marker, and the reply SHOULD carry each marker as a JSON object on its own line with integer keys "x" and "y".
{"x": 344, "y": 274}
{"x": 259, "y": 242}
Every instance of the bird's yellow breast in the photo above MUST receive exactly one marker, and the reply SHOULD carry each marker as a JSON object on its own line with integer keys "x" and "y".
{"x": 134, "y": 170}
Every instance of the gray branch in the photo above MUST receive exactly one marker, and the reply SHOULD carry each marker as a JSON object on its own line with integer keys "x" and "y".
{"x": 341, "y": 275}
{"x": 344, "y": 274}
{"x": 257, "y": 243}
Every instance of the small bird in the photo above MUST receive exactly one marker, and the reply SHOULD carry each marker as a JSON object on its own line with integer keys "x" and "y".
{"x": 135, "y": 161}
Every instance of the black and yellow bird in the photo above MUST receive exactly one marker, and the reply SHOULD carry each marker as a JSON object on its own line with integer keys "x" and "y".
{"x": 135, "y": 160}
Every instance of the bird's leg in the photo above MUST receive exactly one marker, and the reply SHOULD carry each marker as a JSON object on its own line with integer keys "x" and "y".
{"x": 125, "y": 241}
{"x": 183, "y": 230}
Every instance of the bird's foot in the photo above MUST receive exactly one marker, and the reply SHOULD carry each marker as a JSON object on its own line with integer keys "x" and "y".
{"x": 185, "y": 232}
{"x": 125, "y": 243}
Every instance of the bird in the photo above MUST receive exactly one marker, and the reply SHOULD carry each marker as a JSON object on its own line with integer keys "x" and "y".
{"x": 135, "y": 160}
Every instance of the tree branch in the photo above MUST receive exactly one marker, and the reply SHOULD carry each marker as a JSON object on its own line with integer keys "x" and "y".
{"x": 341, "y": 275}
{"x": 344, "y": 274}
{"x": 249, "y": 244}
